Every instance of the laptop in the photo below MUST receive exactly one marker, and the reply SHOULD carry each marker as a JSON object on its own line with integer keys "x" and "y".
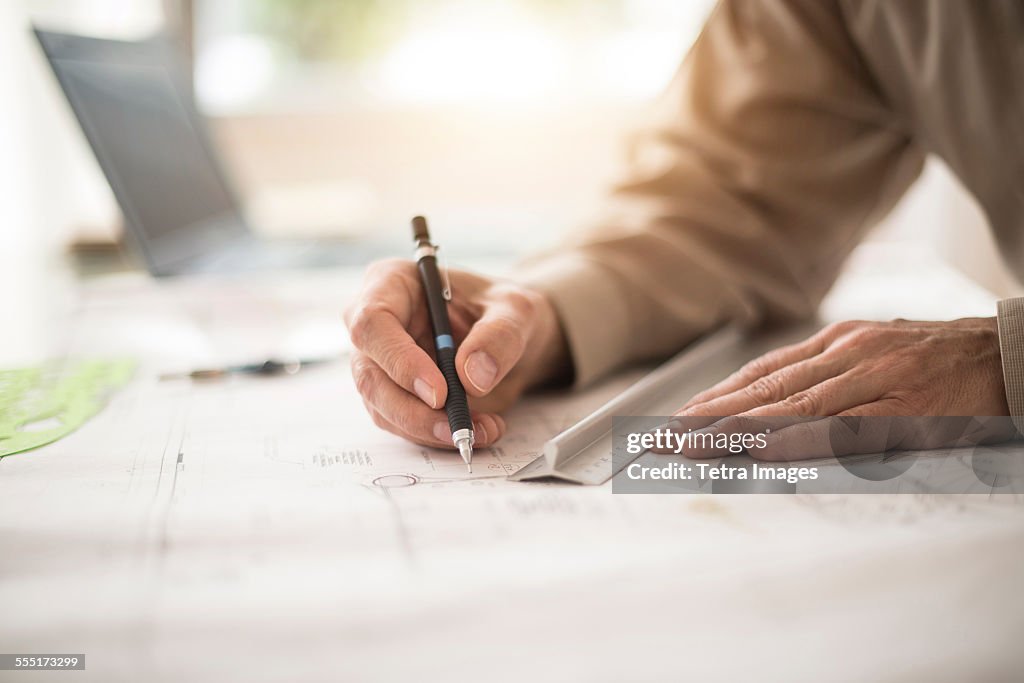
{"x": 135, "y": 106}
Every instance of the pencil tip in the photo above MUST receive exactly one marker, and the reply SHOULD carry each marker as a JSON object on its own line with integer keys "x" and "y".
{"x": 466, "y": 451}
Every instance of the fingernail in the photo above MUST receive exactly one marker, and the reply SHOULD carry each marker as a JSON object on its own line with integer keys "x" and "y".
{"x": 481, "y": 370}
{"x": 479, "y": 433}
{"x": 425, "y": 392}
{"x": 442, "y": 432}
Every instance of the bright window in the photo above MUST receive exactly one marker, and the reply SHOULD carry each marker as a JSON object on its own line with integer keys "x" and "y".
{"x": 484, "y": 53}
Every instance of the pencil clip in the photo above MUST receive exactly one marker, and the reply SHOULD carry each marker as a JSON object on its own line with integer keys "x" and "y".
{"x": 446, "y": 291}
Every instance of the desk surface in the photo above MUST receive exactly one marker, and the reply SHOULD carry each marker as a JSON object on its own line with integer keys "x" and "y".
{"x": 234, "y": 530}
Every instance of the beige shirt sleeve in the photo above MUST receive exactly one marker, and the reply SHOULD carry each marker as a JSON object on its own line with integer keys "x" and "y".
{"x": 771, "y": 154}
{"x": 1011, "y": 350}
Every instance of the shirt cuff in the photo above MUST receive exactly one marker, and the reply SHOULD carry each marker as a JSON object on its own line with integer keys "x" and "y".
{"x": 592, "y": 308}
{"x": 1011, "y": 348}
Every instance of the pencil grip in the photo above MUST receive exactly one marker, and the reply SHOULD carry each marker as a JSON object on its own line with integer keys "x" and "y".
{"x": 456, "y": 405}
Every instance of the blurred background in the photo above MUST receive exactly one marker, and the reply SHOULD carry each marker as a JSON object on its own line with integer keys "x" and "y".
{"x": 503, "y": 120}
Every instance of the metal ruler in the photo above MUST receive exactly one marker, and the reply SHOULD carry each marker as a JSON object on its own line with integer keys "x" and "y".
{"x": 582, "y": 454}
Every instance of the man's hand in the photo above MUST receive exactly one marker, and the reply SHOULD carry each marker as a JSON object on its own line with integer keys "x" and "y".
{"x": 899, "y": 368}
{"x": 509, "y": 340}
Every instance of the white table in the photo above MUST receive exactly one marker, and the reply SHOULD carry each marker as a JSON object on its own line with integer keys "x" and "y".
{"x": 231, "y": 532}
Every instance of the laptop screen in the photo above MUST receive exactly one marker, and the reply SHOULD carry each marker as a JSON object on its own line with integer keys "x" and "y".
{"x": 147, "y": 138}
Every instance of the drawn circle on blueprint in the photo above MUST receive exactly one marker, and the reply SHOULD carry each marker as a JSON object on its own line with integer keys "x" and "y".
{"x": 878, "y": 466}
{"x": 863, "y": 446}
{"x": 395, "y": 481}
{"x": 998, "y": 465}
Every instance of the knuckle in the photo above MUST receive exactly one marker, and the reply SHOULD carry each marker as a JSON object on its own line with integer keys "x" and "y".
{"x": 700, "y": 410}
{"x": 390, "y": 357}
{"x": 411, "y": 422}
{"x": 356, "y": 364}
{"x": 906, "y": 403}
{"x": 379, "y": 420}
{"x": 523, "y": 302}
{"x": 863, "y": 335}
{"x": 347, "y": 314}
{"x": 506, "y": 332}
{"x": 363, "y": 321}
{"x": 805, "y": 403}
{"x": 366, "y": 381}
{"x": 776, "y": 357}
{"x": 840, "y": 328}
{"x": 756, "y": 368}
{"x": 400, "y": 421}
{"x": 832, "y": 330}
{"x": 766, "y": 389}
{"x": 698, "y": 399}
